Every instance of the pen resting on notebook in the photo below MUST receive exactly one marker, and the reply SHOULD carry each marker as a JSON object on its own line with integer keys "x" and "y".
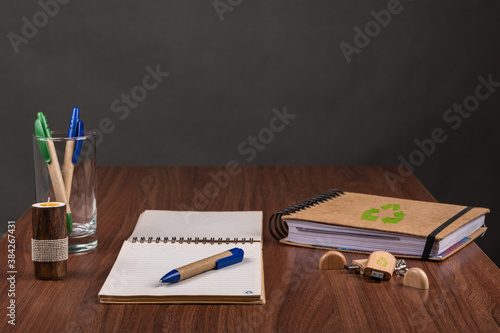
{"x": 217, "y": 261}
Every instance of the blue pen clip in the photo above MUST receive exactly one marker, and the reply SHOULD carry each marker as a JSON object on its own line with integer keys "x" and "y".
{"x": 73, "y": 123}
{"x": 233, "y": 259}
{"x": 79, "y": 142}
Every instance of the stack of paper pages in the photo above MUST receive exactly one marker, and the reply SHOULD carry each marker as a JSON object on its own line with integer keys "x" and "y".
{"x": 355, "y": 239}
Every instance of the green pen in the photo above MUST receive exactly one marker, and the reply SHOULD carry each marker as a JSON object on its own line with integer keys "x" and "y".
{"x": 48, "y": 151}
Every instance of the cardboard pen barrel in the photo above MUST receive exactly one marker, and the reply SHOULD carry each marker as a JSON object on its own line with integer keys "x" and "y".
{"x": 49, "y": 244}
{"x": 202, "y": 265}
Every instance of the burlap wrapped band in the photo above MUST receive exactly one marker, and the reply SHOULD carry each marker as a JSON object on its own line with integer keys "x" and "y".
{"x": 49, "y": 250}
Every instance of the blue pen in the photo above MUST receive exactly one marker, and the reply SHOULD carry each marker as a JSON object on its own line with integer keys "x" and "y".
{"x": 217, "y": 261}
{"x": 73, "y": 149}
{"x": 78, "y": 147}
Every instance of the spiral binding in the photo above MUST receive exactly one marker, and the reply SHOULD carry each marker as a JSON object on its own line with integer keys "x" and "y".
{"x": 279, "y": 229}
{"x": 196, "y": 240}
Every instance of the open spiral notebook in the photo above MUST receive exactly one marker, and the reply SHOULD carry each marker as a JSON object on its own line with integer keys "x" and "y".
{"x": 165, "y": 240}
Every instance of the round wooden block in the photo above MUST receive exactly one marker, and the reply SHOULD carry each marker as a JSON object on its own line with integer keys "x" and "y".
{"x": 416, "y": 278}
{"x": 332, "y": 260}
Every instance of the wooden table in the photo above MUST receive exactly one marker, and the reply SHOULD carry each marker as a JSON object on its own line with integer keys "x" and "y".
{"x": 464, "y": 290}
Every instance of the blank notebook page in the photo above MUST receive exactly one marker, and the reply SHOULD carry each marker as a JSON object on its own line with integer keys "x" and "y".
{"x": 164, "y": 223}
{"x": 140, "y": 266}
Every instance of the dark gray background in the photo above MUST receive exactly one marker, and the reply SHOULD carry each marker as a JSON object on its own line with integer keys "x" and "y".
{"x": 226, "y": 76}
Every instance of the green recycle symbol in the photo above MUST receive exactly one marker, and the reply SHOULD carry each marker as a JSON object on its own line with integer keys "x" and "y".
{"x": 382, "y": 262}
{"x": 368, "y": 215}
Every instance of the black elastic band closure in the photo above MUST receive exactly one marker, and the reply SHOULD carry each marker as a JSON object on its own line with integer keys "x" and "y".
{"x": 432, "y": 236}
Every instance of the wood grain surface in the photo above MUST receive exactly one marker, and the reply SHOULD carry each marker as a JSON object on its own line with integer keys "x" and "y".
{"x": 463, "y": 294}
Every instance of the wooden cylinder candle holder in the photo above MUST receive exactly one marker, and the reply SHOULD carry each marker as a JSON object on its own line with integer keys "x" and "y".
{"x": 49, "y": 245}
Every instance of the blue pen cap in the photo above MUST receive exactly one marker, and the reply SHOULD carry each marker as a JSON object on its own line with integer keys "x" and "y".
{"x": 233, "y": 259}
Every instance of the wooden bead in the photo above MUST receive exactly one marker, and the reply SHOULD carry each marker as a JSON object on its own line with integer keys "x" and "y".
{"x": 332, "y": 260}
{"x": 416, "y": 278}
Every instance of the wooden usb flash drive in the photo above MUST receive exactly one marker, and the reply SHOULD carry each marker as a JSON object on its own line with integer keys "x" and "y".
{"x": 357, "y": 266}
{"x": 336, "y": 260}
{"x": 379, "y": 266}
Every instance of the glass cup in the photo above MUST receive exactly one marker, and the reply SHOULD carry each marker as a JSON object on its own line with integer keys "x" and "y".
{"x": 79, "y": 181}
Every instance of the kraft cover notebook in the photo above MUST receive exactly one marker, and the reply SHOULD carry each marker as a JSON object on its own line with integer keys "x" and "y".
{"x": 165, "y": 240}
{"x": 355, "y": 222}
